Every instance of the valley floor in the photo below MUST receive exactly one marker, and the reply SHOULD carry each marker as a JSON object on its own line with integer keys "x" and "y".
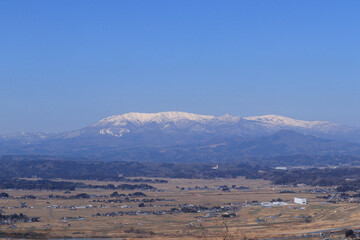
{"x": 183, "y": 208}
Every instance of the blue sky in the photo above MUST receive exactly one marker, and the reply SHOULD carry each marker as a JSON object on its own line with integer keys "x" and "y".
{"x": 66, "y": 64}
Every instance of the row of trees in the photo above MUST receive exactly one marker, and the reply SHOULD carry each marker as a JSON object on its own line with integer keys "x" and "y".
{"x": 64, "y": 185}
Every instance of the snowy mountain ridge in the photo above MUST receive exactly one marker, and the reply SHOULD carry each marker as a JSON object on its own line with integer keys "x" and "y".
{"x": 161, "y": 117}
{"x": 286, "y": 121}
{"x": 141, "y": 118}
{"x": 195, "y": 125}
{"x": 225, "y": 125}
{"x": 178, "y": 136}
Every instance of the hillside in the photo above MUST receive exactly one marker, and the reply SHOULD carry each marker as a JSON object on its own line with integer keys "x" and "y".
{"x": 187, "y": 137}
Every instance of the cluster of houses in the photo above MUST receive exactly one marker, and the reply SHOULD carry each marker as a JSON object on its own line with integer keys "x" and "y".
{"x": 66, "y": 219}
{"x": 297, "y": 200}
{"x": 128, "y": 200}
{"x": 224, "y": 188}
{"x": 225, "y": 211}
{"x": 341, "y": 198}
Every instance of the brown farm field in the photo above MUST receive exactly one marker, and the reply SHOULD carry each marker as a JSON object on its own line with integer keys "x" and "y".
{"x": 237, "y": 215}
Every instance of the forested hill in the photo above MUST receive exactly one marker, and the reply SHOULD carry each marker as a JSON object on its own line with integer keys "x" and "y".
{"x": 12, "y": 169}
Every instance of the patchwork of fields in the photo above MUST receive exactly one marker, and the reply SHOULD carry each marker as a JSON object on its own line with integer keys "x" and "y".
{"x": 181, "y": 208}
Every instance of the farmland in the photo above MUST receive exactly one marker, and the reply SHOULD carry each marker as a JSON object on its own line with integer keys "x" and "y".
{"x": 179, "y": 208}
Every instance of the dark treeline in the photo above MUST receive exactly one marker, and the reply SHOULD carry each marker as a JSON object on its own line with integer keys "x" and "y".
{"x": 314, "y": 176}
{"x": 346, "y": 177}
{"x": 272, "y": 161}
{"x": 62, "y": 185}
{"x": 118, "y": 171}
{"x": 22, "y": 235}
{"x": 15, "y": 218}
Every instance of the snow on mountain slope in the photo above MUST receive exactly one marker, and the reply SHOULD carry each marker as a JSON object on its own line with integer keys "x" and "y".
{"x": 285, "y": 121}
{"x": 176, "y": 117}
{"x": 166, "y": 117}
{"x": 141, "y": 118}
{"x": 136, "y": 123}
{"x": 316, "y": 128}
{"x": 182, "y": 123}
{"x": 230, "y": 136}
{"x": 189, "y": 127}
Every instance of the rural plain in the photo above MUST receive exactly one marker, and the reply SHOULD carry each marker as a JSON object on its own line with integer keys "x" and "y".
{"x": 205, "y": 210}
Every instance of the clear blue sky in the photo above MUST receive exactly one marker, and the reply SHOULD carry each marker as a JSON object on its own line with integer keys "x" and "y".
{"x": 66, "y": 64}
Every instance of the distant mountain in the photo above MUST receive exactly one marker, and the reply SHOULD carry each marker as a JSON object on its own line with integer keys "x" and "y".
{"x": 24, "y": 137}
{"x": 321, "y": 129}
{"x": 185, "y": 124}
{"x": 180, "y": 136}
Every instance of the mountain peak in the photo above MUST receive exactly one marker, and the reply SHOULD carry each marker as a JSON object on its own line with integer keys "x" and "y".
{"x": 284, "y": 121}
{"x": 189, "y": 135}
{"x": 228, "y": 117}
{"x": 141, "y": 118}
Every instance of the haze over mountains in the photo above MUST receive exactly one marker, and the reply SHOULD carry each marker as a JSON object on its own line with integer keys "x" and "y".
{"x": 180, "y": 136}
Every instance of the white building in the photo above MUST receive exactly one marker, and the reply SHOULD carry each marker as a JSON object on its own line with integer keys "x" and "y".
{"x": 270, "y": 204}
{"x": 300, "y": 200}
{"x": 216, "y": 167}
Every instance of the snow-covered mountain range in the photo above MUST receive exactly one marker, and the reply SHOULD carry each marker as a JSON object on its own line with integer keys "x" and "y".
{"x": 133, "y": 134}
{"x": 226, "y": 125}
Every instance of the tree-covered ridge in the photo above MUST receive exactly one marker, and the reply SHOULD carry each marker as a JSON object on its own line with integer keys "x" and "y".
{"x": 347, "y": 177}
